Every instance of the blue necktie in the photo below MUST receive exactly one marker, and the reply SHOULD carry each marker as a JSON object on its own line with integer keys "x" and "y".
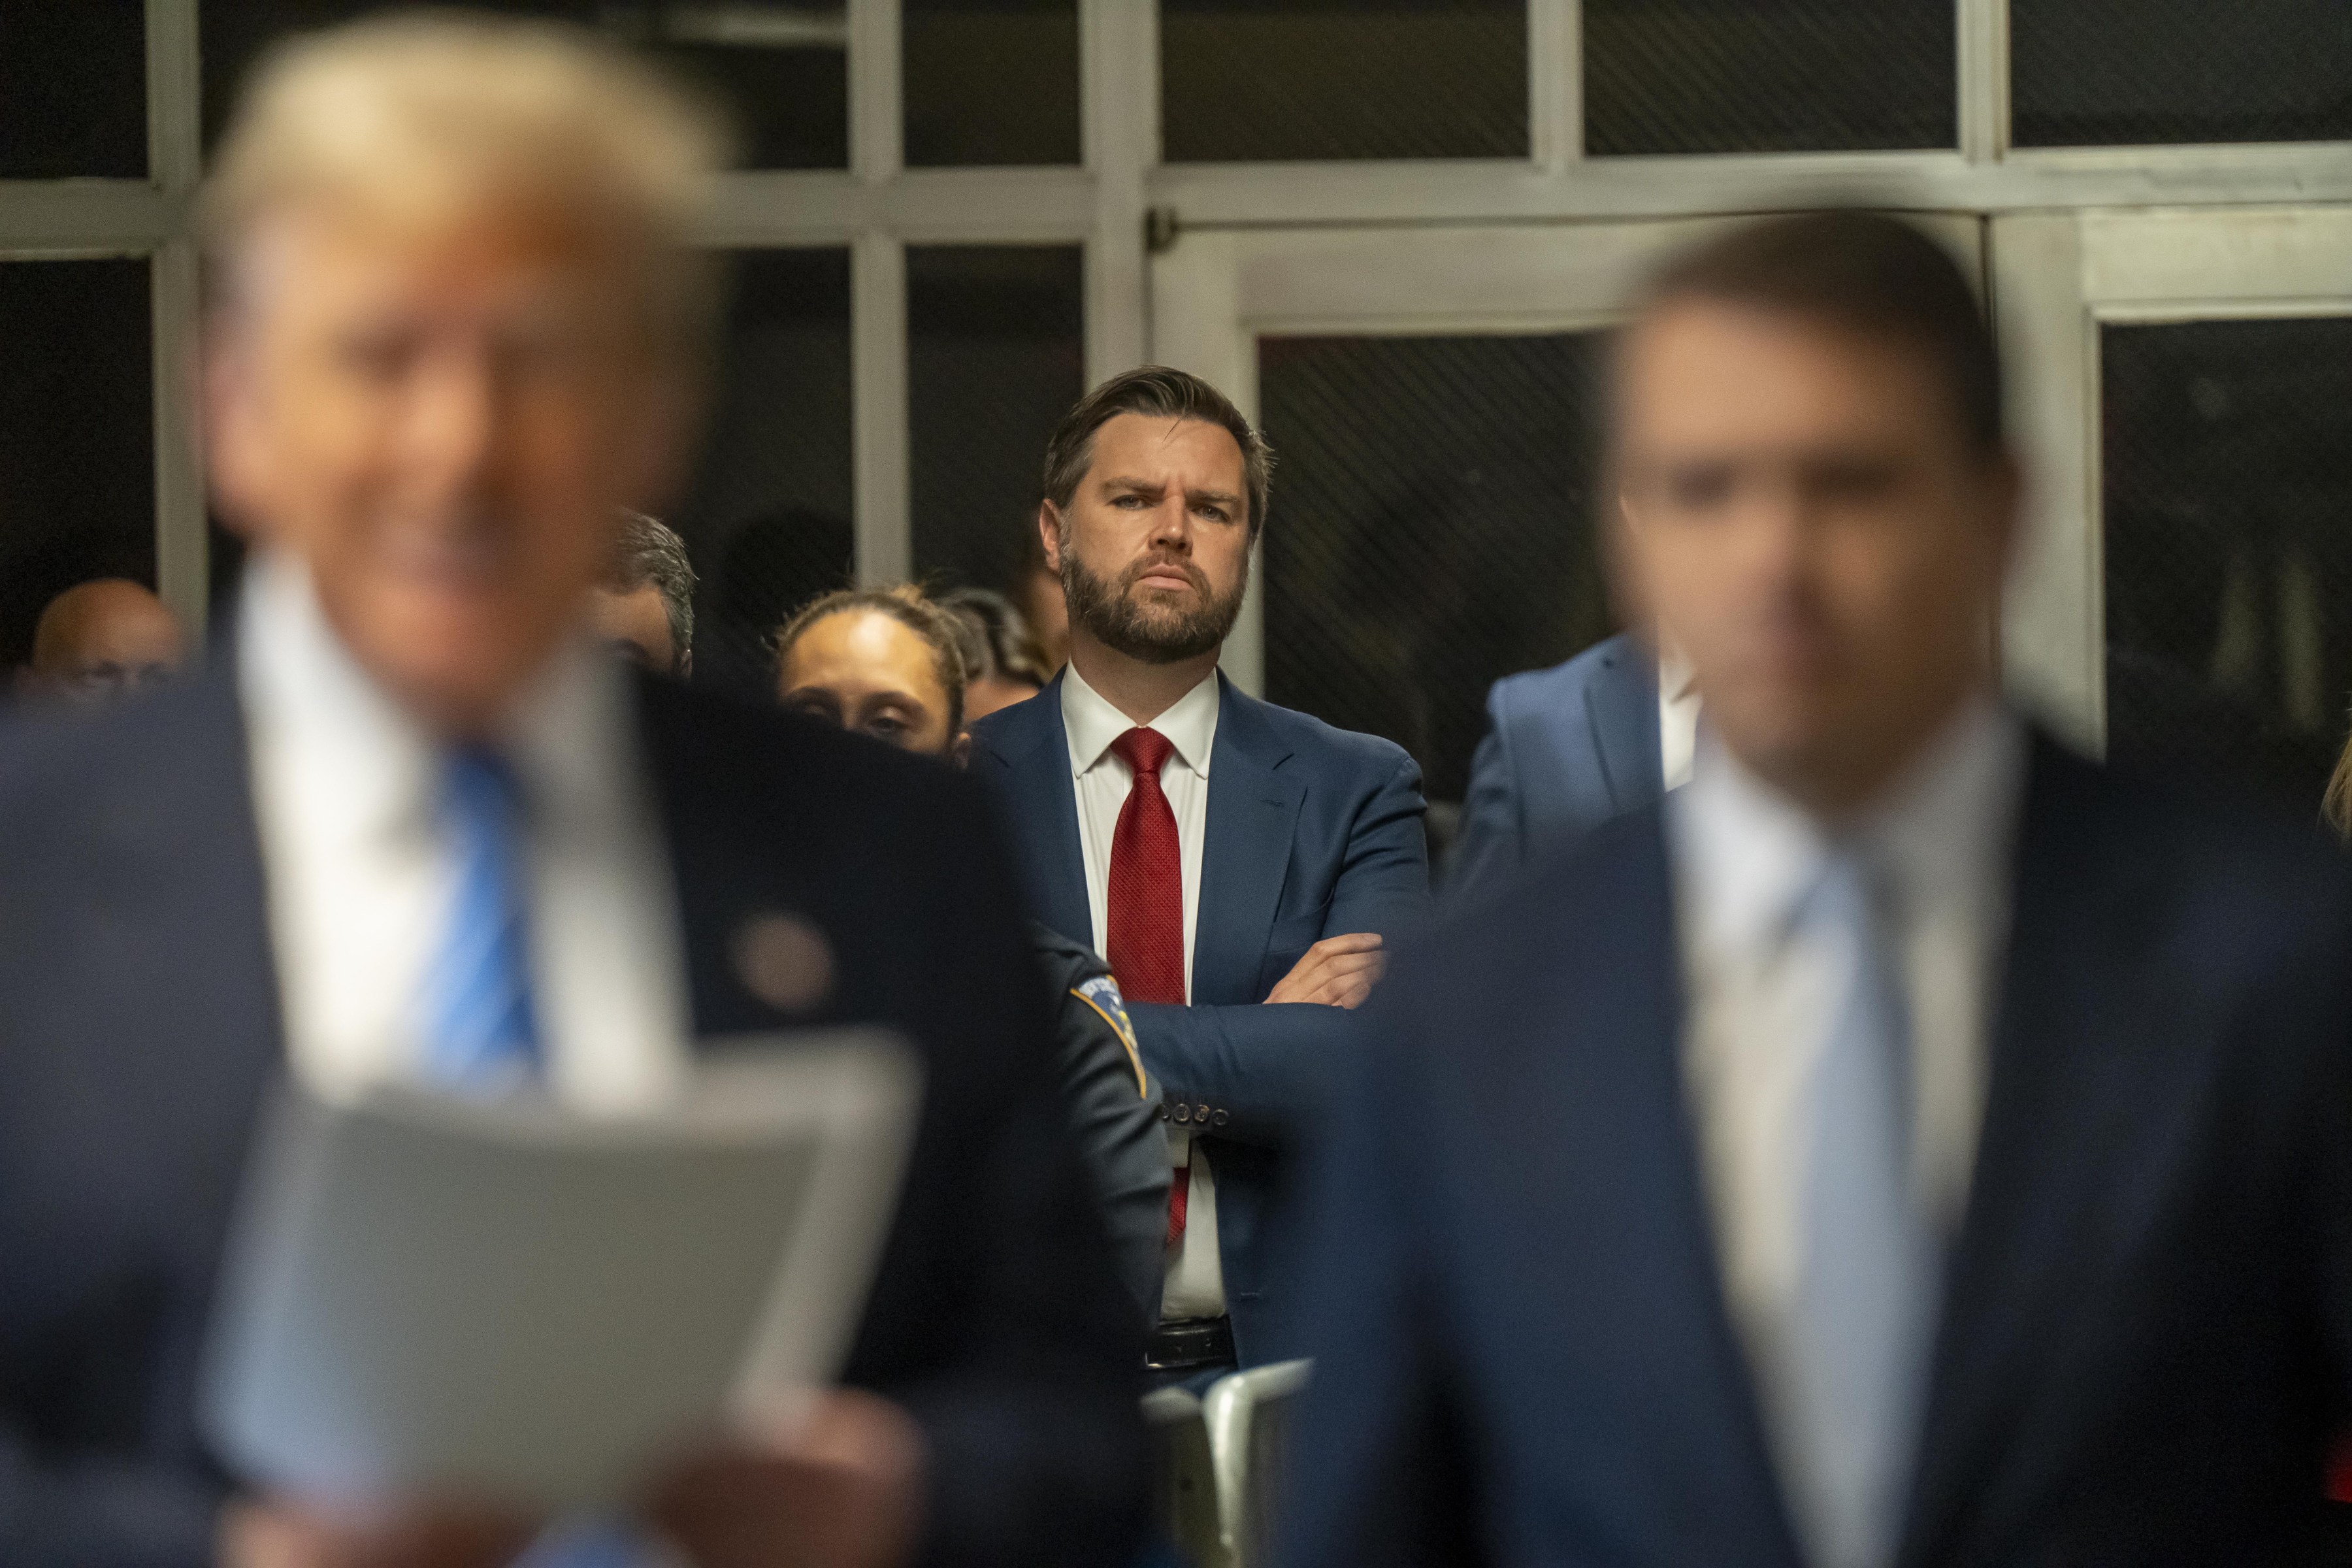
{"x": 1871, "y": 1273}
{"x": 482, "y": 1032}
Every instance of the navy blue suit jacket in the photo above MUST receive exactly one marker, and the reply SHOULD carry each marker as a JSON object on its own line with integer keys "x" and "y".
{"x": 140, "y": 1029}
{"x": 1566, "y": 749}
{"x": 1523, "y": 1355}
{"x": 1312, "y": 832}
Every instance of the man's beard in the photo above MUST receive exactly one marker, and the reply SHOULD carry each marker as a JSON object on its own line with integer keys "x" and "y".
{"x": 1155, "y": 634}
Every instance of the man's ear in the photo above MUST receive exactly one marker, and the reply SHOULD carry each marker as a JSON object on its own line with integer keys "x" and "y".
{"x": 959, "y": 749}
{"x": 1049, "y": 534}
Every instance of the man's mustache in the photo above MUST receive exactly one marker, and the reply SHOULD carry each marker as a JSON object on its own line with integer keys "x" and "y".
{"x": 1185, "y": 569}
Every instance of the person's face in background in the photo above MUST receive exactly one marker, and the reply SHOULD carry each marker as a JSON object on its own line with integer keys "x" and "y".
{"x": 1153, "y": 549}
{"x": 991, "y": 693}
{"x": 102, "y": 640}
{"x": 442, "y": 417}
{"x": 870, "y": 672}
{"x": 635, "y": 625}
{"x": 1048, "y": 615}
{"x": 1805, "y": 517}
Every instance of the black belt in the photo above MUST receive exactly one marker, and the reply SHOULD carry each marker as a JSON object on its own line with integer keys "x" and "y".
{"x": 1186, "y": 1344}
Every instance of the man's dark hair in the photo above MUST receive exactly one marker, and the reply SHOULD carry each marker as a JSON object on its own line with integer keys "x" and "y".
{"x": 940, "y": 630}
{"x": 1010, "y": 652}
{"x": 1155, "y": 392}
{"x": 649, "y": 552}
{"x": 1868, "y": 273}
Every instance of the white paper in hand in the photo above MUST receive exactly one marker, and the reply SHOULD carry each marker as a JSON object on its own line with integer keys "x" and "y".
{"x": 500, "y": 1300}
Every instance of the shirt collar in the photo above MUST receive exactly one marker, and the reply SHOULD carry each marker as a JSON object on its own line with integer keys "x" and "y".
{"x": 1092, "y": 724}
{"x": 1942, "y": 832}
{"x": 1675, "y": 678}
{"x": 303, "y": 691}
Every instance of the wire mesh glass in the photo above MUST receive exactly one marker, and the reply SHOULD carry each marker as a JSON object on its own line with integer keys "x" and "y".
{"x": 73, "y": 89}
{"x": 990, "y": 81}
{"x": 782, "y": 73}
{"x": 2228, "y": 480}
{"x": 995, "y": 356}
{"x": 1246, "y": 81}
{"x": 767, "y": 518}
{"x": 1430, "y": 529}
{"x": 2107, "y": 72}
{"x": 76, "y": 435}
{"x": 1768, "y": 76}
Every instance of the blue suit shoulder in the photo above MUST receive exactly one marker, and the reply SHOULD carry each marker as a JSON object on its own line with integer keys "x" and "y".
{"x": 1372, "y": 755}
{"x": 1555, "y": 690}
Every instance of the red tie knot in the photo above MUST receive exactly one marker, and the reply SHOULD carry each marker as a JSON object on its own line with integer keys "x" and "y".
{"x": 1144, "y": 751}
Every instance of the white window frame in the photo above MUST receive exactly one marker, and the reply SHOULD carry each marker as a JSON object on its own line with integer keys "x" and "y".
{"x": 878, "y": 207}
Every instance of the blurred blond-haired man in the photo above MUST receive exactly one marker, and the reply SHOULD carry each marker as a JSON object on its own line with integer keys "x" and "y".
{"x": 422, "y": 827}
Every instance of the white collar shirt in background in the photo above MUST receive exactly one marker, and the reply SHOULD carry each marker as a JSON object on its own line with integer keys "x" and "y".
{"x": 1677, "y": 721}
{"x": 360, "y": 869}
{"x": 1760, "y": 995}
{"x": 1196, "y": 1285}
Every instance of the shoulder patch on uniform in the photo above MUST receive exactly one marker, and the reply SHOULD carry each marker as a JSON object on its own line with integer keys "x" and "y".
{"x": 1101, "y": 993}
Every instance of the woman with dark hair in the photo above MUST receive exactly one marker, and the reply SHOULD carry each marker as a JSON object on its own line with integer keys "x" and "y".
{"x": 886, "y": 662}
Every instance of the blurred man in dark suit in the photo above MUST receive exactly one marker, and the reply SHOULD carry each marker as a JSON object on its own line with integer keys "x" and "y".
{"x": 1908, "y": 1142}
{"x": 1237, "y": 864}
{"x": 415, "y": 827}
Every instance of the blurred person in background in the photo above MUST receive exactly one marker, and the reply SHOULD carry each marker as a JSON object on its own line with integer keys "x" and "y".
{"x": 1238, "y": 864}
{"x": 1909, "y": 1142}
{"x": 1569, "y": 748}
{"x": 1038, "y": 596}
{"x": 417, "y": 830}
{"x": 888, "y": 663}
{"x": 1009, "y": 668}
{"x": 643, "y": 609}
{"x": 100, "y": 640}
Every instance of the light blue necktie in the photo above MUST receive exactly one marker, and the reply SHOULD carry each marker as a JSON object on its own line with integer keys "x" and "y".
{"x": 1870, "y": 1277}
{"x": 482, "y": 1032}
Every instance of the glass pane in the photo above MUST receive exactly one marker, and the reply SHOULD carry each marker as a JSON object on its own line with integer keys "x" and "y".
{"x": 2228, "y": 474}
{"x": 990, "y": 81}
{"x": 2100, "y": 72}
{"x": 767, "y": 518}
{"x": 1430, "y": 529}
{"x": 77, "y": 436}
{"x": 73, "y": 89}
{"x": 783, "y": 72}
{"x": 1245, "y": 81}
{"x": 995, "y": 356}
{"x": 1768, "y": 76}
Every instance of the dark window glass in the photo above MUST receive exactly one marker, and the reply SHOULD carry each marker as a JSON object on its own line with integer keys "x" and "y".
{"x": 995, "y": 356}
{"x": 1243, "y": 81}
{"x": 77, "y": 436}
{"x": 2100, "y": 72}
{"x": 1430, "y": 529}
{"x": 767, "y": 518}
{"x": 1768, "y": 76}
{"x": 2228, "y": 476}
{"x": 73, "y": 89}
{"x": 782, "y": 73}
{"x": 990, "y": 81}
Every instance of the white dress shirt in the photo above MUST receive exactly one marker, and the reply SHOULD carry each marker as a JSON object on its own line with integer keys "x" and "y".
{"x": 1195, "y": 1286}
{"x": 360, "y": 869}
{"x": 1761, "y": 993}
{"x": 1677, "y": 721}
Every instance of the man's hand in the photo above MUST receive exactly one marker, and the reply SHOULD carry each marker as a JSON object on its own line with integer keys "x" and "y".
{"x": 274, "y": 1535}
{"x": 1337, "y": 971}
{"x": 843, "y": 1490}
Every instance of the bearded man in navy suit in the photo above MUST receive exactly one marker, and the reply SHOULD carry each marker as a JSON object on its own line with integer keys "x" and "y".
{"x": 1239, "y": 864}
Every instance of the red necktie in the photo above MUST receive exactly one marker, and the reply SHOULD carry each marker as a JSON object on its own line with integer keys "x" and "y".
{"x": 1145, "y": 921}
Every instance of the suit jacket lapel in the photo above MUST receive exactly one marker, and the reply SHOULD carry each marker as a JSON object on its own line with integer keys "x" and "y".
{"x": 1692, "y": 1398}
{"x": 1620, "y": 703}
{"x": 1252, "y": 812}
{"x": 1034, "y": 750}
{"x": 2088, "y": 1101}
